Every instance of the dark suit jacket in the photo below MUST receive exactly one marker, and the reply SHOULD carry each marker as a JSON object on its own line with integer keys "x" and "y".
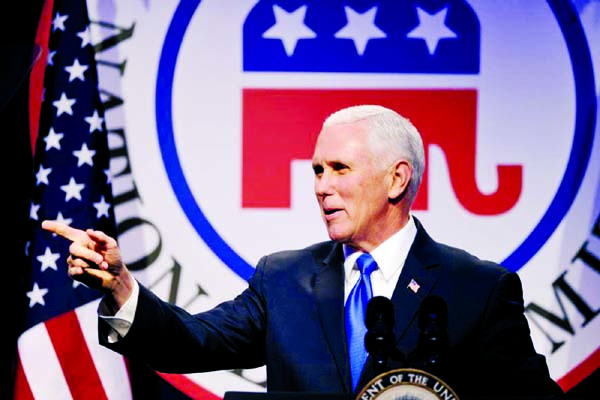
{"x": 291, "y": 319}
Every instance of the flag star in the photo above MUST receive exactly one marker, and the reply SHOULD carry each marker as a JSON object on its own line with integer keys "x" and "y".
{"x": 108, "y": 176}
{"x": 50, "y": 58}
{"x": 64, "y": 105}
{"x": 95, "y": 122}
{"x": 360, "y": 28}
{"x": 72, "y": 190}
{"x": 53, "y": 140}
{"x": 432, "y": 28}
{"x": 84, "y": 156}
{"x": 84, "y": 35}
{"x": 42, "y": 175}
{"x": 102, "y": 207}
{"x": 76, "y": 71}
{"x": 60, "y": 218}
{"x": 33, "y": 211}
{"x": 289, "y": 28}
{"x": 59, "y": 22}
{"x": 48, "y": 260}
{"x": 36, "y": 296}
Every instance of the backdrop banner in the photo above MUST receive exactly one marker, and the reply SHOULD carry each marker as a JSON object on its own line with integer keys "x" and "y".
{"x": 213, "y": 108}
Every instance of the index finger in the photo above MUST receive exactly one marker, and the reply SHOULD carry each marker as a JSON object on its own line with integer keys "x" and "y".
{"x": 64, "y": 230}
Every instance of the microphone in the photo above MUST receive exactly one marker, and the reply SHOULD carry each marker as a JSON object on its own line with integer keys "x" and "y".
{"x": 379, "y": 339}
{"x": 433, "y": 338}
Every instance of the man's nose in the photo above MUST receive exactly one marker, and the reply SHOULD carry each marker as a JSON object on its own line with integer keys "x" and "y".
{"x": 323, "y": 184}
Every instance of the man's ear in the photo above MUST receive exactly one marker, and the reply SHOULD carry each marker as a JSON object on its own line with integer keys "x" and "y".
{"x": 401, "y": 176}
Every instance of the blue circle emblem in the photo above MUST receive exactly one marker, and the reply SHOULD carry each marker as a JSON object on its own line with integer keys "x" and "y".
{"x": 585, "y": 121}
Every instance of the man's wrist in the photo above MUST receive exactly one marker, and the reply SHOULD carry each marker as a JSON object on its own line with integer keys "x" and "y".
{"x": 121, "y": 320}
{"x": 121, "y": 291}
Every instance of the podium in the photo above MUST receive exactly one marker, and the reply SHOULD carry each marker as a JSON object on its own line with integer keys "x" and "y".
{"x": 284, "y": 396}
{"x": 402, "y": 383}
{"x": 334, "y": 396}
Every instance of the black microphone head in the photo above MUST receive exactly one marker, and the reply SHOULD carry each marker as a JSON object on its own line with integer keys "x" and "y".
{"x": 379, "y": 339}
{"x": 380, "y": 309}
{"x": 433, "y": 310}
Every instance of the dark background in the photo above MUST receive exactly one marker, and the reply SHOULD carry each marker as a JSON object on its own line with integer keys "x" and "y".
{"x": 17, "y": 37}
{"x": 17, "y": 34}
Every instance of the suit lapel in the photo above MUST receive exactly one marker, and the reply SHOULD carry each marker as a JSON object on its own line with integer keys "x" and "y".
{"x": 329, "y": 291}
{"x": 419, "y": 275}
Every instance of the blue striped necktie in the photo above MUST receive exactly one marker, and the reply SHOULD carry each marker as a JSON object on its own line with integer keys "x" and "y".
{"x": 356, "y": 307}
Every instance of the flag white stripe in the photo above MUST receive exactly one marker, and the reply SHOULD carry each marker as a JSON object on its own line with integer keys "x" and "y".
{"x": 41, "y": 366}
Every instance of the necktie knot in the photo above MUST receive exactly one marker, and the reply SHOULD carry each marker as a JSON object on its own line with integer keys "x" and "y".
{"x": 366, "y": 264}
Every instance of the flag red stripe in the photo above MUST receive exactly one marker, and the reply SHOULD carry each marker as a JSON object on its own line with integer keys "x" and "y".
{"x": 580, "y": 372}
{"x": 189, "y": 387}
{"x": 36, "y": 79}
{"x": 74, "y": 357}
{"x": 22, "y": 391}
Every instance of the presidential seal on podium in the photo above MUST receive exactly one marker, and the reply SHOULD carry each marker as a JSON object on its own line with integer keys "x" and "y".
{"x": 406, "y": 384}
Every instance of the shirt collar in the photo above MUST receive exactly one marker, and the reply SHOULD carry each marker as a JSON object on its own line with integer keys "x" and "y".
{"x": 389, "y": 255}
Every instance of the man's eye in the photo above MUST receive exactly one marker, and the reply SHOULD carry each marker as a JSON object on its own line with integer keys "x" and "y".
{"x": 339, "y": 166}
{"x": 318, "y": 170}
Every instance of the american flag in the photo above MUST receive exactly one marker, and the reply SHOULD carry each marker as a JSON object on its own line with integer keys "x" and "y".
{"x": 414, "y": 286}
{"x": 59, "y": 354}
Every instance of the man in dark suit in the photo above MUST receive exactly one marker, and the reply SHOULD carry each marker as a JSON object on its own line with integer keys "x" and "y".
{"x": 368, "y": 163}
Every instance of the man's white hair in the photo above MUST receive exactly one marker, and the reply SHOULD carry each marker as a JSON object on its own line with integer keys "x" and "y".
{"x": 391, "y": 136}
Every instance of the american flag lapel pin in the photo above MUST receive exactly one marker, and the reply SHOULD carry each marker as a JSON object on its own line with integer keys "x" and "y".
{"x": 414, "y": 286}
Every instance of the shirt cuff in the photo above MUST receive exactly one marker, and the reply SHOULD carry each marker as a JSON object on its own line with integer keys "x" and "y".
{"x": 122, "y": 320}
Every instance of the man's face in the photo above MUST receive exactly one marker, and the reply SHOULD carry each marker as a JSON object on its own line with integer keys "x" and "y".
{"x": 351, "y": 186}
